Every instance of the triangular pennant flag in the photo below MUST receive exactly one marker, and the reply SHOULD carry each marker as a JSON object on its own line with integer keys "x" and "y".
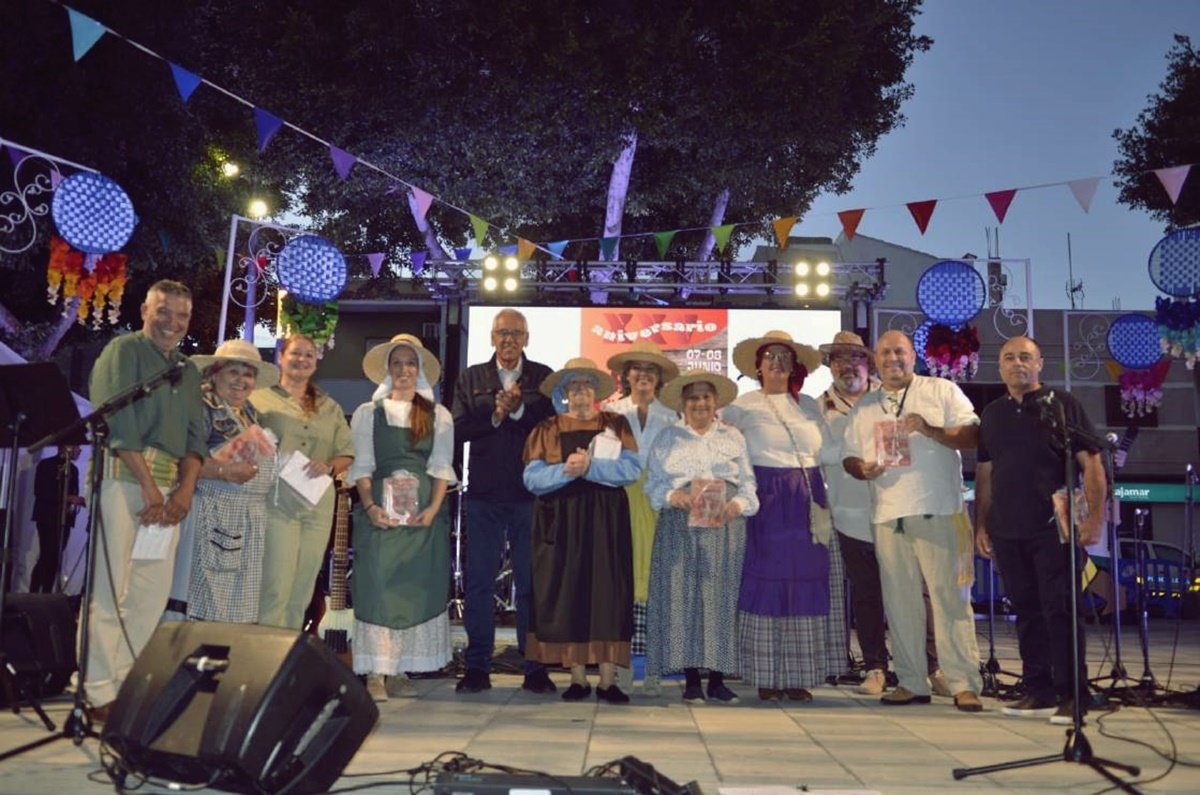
{"x": 85, "y": 32}
{"x": 607, "y": 246}
{"x": 507, "y": 250}
{"x": 164, "y": 239}
{"x": 1000, "y": 200}
{"x": 418, "y": 262}
{"x": 922, "y": 212}
{"x": 1172, "y": 179}
{"x": 783, "y": 228}
{"x": 480, "y": 227}
{"x": 343, "y": 161}
{"x": 423, "y": 200}
{"x": 525, "y": 248}
{"x": 185, "y": 81}
{"x": 1084, "y": 190}
{"x": 850, "y": 219}
{"x": 267, "y": 124}
{"x": 15, "y": 155}
{"x": 662, "y": 241}
{"x": 462, "y": 254}
{"x": 376, "y": 261}
{"x": 721, "y": 234}
{"x": 557, "y": 248}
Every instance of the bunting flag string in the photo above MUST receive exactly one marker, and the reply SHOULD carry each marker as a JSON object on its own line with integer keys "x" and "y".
{"x": 86, "y": 31}
{"x": 376, "y": 261}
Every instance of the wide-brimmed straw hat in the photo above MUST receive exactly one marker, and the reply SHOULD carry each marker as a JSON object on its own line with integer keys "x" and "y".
{"x": 375, "y": 363}
{"x": 243, "y": 352}
{"x": 605, "y": 385}
{"x": 845, "y": 342}
{"x": 744, "y": 353}
{"x": 672, "y": 394}
{"x": 644, "y": 351}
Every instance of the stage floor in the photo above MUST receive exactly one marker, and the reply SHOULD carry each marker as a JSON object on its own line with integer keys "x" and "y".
{"x": 841, "y": 742}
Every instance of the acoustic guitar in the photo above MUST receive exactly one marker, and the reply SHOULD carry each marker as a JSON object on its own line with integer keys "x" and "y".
{"x": 336, "y": 626}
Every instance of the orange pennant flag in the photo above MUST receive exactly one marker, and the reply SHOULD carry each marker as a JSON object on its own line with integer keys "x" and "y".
{"x": 850, "y": 219}
{"x": 922, "y": 212}
{"x": 783, "y": 228}
{"x": 525, "y": 249}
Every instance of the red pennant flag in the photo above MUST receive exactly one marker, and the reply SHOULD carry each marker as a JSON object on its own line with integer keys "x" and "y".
{"x": 922, "y": 212}
{"x": 1000, "y": 200}
{"x": 850, "y": 219}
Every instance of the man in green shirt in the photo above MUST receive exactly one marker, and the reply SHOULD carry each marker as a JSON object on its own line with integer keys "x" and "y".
{"x": 155, "y": 450}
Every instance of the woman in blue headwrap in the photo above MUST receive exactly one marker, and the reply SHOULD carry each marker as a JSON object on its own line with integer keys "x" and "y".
{"x": 577, "y": 464}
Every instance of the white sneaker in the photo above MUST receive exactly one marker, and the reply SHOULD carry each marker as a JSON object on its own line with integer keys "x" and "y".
{"x": 873, "y": 683}
{"x": 400, "y": 686}
{"x": 376, "y": 688}
{"x": 939, "y": 685}
{"x": 651, "y": 686}
{"x": 625, "y": 679}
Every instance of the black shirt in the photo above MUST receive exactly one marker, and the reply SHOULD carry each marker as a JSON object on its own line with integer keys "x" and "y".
{"x": 1027, "y": 459}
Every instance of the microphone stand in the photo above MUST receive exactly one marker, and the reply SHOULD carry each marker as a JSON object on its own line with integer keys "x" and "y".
{"x": 78, "y": 727}
{"x": 1077, "y": 749}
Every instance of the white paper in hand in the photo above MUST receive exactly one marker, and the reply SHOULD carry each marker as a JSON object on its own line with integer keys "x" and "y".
{"x": 605, "y": 446}
{"x": 153, "y": 542}
{"x": 291, "y": 472}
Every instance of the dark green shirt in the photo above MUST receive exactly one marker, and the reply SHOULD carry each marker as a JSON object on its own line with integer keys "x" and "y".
{"x": 171, "y": 418}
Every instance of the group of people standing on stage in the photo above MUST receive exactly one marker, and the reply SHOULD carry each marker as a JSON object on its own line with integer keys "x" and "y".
{"x": 700, "y": 529}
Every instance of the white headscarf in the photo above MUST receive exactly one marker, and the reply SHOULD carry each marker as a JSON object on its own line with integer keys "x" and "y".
{"x": 384, "y": 390}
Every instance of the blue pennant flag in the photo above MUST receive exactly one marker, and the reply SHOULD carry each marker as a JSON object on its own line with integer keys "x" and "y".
{"x": 185, "y": 81}
{"x": 268, "y": 124}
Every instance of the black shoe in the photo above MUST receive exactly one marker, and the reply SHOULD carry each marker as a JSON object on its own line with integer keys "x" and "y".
{"x": 473, "y": 681}
{"x": 722, "y": 694}
{"x": 612, "y": 695}
{"x": 538, "y": 682}
{"x": 577, "y": 692}
{"x": 1030, "y": 707}
{"x": 692, "y": 694}
{"x": 1065, "y": 716}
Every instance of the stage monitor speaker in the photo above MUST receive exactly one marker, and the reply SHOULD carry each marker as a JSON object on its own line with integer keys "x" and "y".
{"x": 38, "y": 639}
{"x": 241, "y": 708}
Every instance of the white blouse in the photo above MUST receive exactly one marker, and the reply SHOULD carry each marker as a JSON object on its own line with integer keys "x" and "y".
{"x": 398, "y": 413}
{"x": 680, "y": 455}
{"x": 801, "y": 444}
{"x": 658, "y": 417}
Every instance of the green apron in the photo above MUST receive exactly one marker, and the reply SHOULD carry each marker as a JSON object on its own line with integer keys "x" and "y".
{"x": 401, "y": 574}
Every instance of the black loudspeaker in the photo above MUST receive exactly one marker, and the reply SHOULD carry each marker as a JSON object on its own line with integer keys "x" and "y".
{"x": 38, "y": 639}
{"x": 240, "y": 708}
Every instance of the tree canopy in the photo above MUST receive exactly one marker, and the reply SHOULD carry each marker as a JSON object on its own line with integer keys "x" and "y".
{"x": 511, "y": 111}
{"x": 1167, "y": 133}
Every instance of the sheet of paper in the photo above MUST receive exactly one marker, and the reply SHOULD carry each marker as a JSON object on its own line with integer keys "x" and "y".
{"x": 291, "y": 472}
{"x": 605, "y": 446}
{"x": 153, "y": 542}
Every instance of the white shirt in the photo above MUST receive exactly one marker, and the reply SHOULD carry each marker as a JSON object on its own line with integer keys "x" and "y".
{"x": 757, "y": 415}
{"x": 507, "y": 379}
{"x": 658, "y": 417}
{"x": 680, "y": 455}
{"x": 398, "y": 414}
{"x": 932, "y": 484}
{"x": 850, "y": 497}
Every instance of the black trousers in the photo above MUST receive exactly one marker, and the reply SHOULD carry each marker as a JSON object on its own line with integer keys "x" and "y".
{"x": 866, "y": 602}
{"x": 1037, "y": 579}
{"x": 51, "y": 543}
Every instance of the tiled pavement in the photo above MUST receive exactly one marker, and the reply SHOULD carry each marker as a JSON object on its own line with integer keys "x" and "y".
{"x": 841, "y": 742}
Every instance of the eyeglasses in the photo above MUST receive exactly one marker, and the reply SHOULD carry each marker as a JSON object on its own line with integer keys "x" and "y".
{"x": 509, "y": 333}
{"x": 779, "y": 356}
{"x": 651, "y": 369}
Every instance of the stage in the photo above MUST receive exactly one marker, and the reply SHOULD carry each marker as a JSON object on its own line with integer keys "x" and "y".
{"x": 841, "y": 742}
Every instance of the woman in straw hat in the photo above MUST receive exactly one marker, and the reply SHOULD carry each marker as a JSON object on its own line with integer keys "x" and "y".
{"x": 403, "y": 464}
{"x": 222, "y": 564}
{"x": 577, "y": 464}
{"x": 307, "y": 420}
{"x": 791, "y": 632}
{"x": 701, "y": 482}
{"x": 643, "y": 371}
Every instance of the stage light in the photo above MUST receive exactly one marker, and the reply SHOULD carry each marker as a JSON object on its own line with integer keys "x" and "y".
{"x": 497, "y": 274}
{"x": 802, "y": 290}
{"x": 812, "y": 281}
{"x": 510, "y": 284}
{"x": 491, "y": 263}
{"x": 258, "y": 209}
{"x": 489, "y": 284}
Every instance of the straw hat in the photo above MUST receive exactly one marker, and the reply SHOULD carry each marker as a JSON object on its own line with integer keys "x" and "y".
{"x": 743, "y": 354}
{"x": 672, "y": 394}
{"x": 243, "y": 352}
{"x": 643, "y": 351}
{"x": 845, "y": 342}
{"x": 375, "y": 363}
{"x": 605, "y": 385}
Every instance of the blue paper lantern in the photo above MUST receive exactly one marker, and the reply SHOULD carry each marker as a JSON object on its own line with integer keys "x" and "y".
{"x": 1175, "y": 263}
{"x": 311, "y": 269}
{"x": 951, "y": 292}
{"x": 1133, "y": 341}
{"x": 93, "y": 213}
{"x": 919, "y": 338}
